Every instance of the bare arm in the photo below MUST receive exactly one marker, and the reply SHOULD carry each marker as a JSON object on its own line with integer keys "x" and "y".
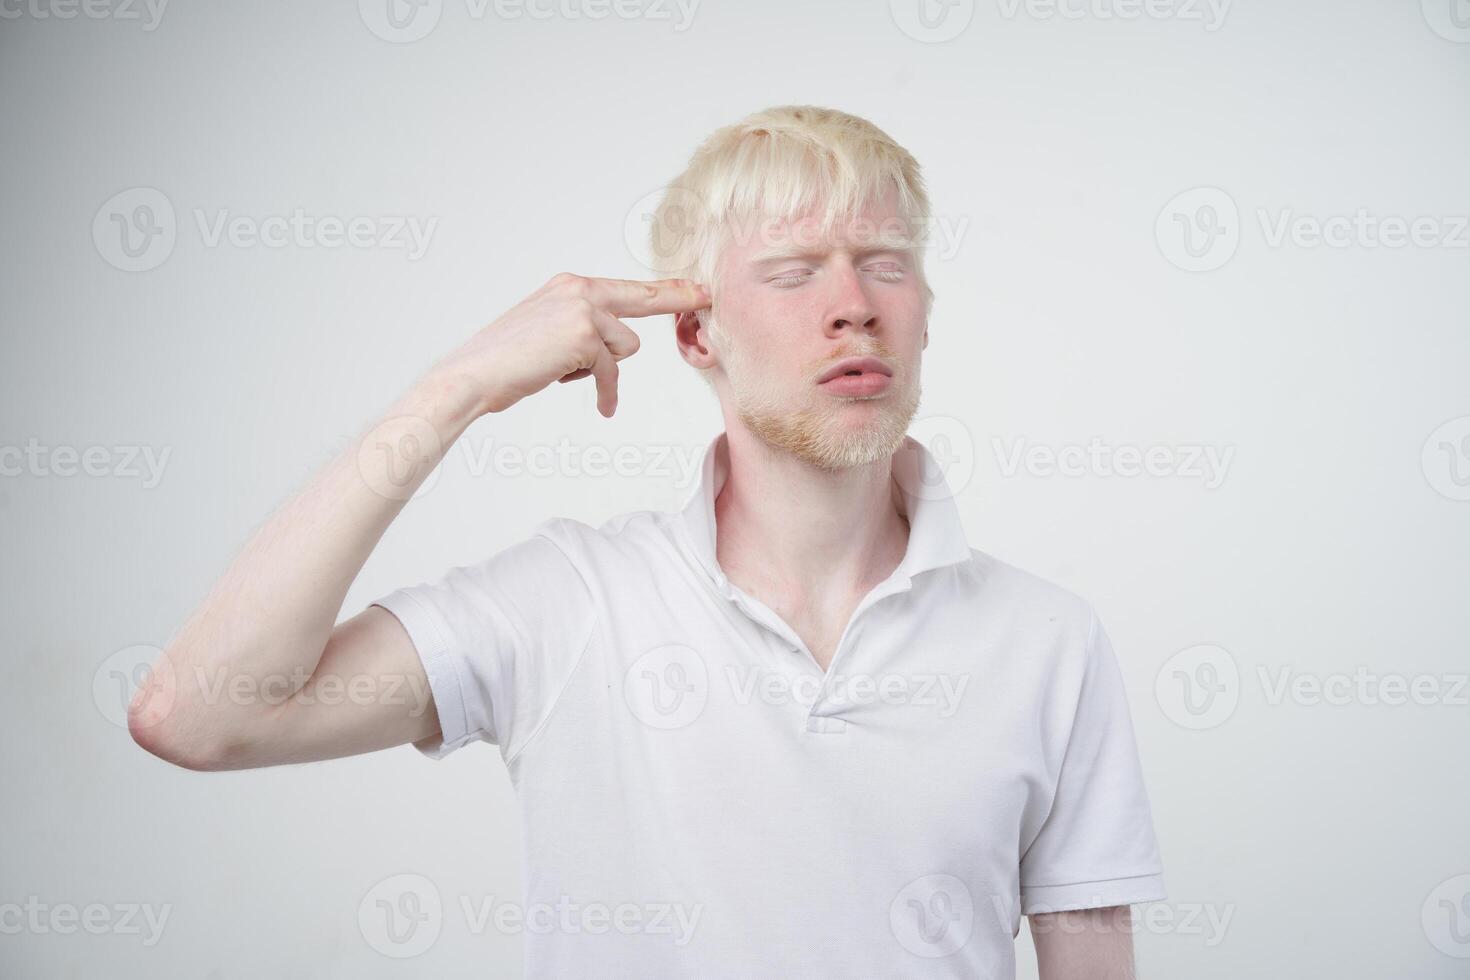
{"x": 259, "y": 675}
{"x": 1087, "y": 944}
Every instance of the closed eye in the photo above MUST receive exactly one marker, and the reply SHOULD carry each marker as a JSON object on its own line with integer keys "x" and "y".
{"x": 889, "y": 273}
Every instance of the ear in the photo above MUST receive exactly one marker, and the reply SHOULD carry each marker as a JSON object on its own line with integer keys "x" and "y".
{"x": 690, "y": 335}
{"x": 926, "y": 339}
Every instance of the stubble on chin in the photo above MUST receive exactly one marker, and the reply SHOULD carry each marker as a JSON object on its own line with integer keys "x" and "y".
{"x": 815, "y": 433}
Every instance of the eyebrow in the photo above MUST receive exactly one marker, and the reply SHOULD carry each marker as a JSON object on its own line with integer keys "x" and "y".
{"x": 781, "y": 253}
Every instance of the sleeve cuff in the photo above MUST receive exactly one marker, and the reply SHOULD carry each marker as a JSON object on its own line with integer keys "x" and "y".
{"x": 444, "y": 682}
{"x": 1038, "y": 899}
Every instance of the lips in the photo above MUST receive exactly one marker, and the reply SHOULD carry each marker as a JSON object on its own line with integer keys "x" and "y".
{"x": 856, "y": 367}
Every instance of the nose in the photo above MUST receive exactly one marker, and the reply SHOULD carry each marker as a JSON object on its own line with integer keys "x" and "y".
{"x": 851, "y": 306}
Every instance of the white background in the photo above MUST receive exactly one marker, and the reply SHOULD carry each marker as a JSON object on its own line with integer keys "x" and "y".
{"x": 1328, "y": 837}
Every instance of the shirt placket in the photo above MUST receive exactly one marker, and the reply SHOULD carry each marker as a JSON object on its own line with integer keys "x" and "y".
{"x": 821, "y": 715}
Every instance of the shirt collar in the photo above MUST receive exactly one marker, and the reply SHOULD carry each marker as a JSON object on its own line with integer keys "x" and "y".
{"x": 936, "y": 533}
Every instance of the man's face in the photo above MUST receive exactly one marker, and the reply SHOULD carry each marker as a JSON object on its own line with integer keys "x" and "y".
{"x": 793, "y": 306}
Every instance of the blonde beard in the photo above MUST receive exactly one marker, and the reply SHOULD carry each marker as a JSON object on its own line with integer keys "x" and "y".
{"x": 814, "y": 434}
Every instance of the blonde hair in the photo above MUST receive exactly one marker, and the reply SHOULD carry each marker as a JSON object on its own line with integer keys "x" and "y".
{"x": 781, "y": 162}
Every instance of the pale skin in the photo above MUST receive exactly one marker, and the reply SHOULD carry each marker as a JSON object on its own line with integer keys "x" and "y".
{"x": 807, "y": 540}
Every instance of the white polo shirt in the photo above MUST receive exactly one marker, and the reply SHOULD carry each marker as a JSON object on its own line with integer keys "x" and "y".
{"x": 700, "y": 800}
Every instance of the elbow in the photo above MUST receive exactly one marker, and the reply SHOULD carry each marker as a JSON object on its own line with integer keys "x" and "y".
{"x": 156, "y": 724}
{"x": 160, "y": 739}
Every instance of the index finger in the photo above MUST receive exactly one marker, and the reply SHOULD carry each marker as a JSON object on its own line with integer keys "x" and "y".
{"x": 633, "y": 297}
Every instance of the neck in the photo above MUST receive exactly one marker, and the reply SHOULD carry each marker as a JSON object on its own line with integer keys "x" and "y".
{"x": 791, "y": 528}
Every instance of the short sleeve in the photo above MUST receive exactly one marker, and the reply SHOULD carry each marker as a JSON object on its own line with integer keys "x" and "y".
{"x": 1096, "y": 847}
{"x": 498, "y": 641}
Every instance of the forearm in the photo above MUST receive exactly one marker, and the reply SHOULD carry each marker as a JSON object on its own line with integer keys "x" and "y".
{"x": 1086, "y": 944}
{"x": 267, "y": 620}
